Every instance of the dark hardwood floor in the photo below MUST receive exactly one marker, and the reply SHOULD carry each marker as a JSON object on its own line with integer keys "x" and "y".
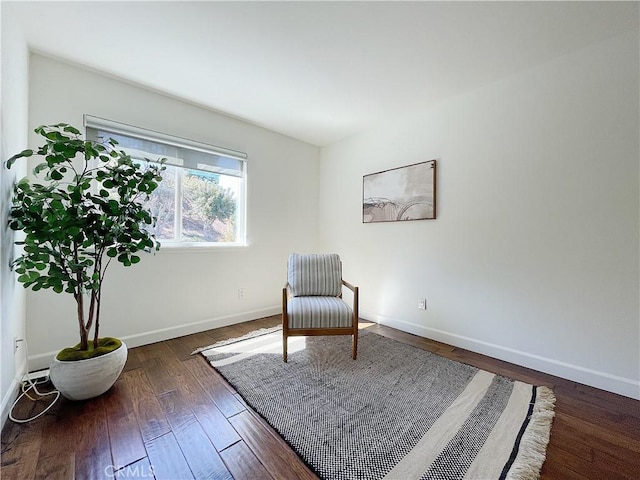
{"x": 171, "y": 416}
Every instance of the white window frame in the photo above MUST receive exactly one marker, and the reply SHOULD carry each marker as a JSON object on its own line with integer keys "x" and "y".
{"x": 111, "y": 126}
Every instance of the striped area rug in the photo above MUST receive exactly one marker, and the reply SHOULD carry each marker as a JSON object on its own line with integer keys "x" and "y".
{"x": 397, "y": 412}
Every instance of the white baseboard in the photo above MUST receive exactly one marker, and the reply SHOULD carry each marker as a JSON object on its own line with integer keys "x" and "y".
{"x": 12, "y": 392}
{"x": 8, "y": 399}
{"x": 605, "y": 381}
{"x": 43, "y": 360}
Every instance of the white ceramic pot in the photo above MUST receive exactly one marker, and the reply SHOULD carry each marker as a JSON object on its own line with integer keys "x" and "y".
{"x": 83, "y": 379}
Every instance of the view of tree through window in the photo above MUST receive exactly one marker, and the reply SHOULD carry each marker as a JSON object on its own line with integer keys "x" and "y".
{"x": 207, "y": 206}
{"x": 163, "y": 205}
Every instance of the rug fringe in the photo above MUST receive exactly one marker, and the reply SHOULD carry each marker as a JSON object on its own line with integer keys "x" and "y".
{"x": 534, "y": 442}
{"x": 254, "y": 333}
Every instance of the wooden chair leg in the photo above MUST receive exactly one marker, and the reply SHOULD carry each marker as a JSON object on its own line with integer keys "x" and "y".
{"x": 284, "y": 347}
{"x": 356, "y": 318}
{"x": 355, "y": 344}
{"x": 285, "y": 324}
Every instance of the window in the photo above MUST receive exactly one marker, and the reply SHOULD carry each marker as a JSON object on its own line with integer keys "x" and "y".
{"x": 201, "y": 199}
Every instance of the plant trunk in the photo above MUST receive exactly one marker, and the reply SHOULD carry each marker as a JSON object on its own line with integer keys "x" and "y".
{"x": 84, "y": 333}
{"x": 96, "y": 328}
{"x": 92, "y": 304}
{"x": 96, "y": 294}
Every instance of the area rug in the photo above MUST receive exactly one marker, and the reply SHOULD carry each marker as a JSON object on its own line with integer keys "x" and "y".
{"x": 397, "y": 412}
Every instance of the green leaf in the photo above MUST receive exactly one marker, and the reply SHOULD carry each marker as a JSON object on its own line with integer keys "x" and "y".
{"x": 57, "y": 205}
{"x": 53, "y": 136}
{"x": 75, "y": 196}
{"x": 70, "y": 129}
{"x": 38, "y": 168}
{"x": 23, "y": 278}
{"x": 124, "y": 259}
{"x": 114, "y": 206}
{"x": 24, "y": 153}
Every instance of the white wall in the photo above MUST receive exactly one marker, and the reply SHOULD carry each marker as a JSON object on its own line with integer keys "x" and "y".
{"x": 534, "y": 257}
{"x": 178, "y": 292}
{"x": 13, "y": 138}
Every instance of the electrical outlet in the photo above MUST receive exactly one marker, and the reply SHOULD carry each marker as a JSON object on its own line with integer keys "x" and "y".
{"x": 422, "y": 305}
{"x": 241, "y": 294}
{"x": 16, "y": 344}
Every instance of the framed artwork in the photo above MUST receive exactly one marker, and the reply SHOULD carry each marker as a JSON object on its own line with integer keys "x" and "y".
{"x": 399, "y": 194}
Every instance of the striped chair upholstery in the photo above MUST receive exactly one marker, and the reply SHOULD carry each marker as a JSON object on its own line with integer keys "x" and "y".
{"x": 319, "y": 312}
{"x": 315, "y": 274}
{"x": 312, "y": 299}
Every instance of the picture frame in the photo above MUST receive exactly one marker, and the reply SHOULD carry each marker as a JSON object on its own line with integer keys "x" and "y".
{"x": 400, "y": 194}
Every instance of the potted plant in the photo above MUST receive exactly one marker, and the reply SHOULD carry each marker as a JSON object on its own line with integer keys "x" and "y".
{"x": 89, "y": 211}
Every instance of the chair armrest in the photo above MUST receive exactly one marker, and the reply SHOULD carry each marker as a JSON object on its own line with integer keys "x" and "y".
{"x": 349, "y": 286}
{"x": 356, "y": 302}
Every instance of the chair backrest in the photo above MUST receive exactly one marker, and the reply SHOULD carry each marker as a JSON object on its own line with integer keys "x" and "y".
{"x": 314, "y": 274}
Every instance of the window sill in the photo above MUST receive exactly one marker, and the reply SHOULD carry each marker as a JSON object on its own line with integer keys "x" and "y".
{"x": 184, "y": 247}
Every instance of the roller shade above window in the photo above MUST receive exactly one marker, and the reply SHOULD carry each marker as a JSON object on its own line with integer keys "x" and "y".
{"x": 144, "y": 144}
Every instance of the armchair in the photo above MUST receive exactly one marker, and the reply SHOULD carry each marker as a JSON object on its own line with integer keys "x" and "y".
{"x": 312, "y": 300}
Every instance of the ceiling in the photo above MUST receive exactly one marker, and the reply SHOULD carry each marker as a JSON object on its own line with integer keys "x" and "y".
{"x": 315, "y": 71}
